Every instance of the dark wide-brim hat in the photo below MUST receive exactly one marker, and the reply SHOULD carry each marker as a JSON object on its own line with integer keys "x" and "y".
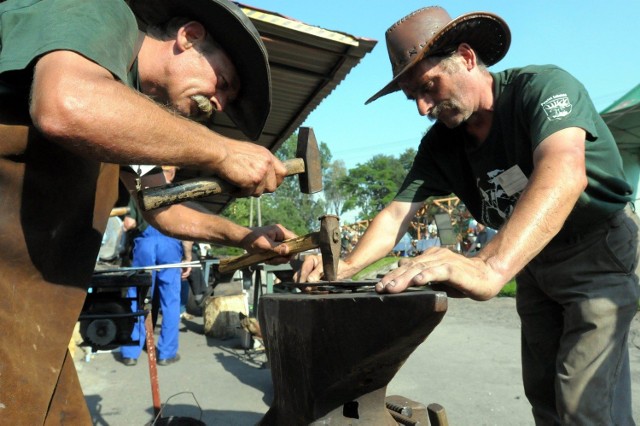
{"x": 239, "y": 38}
{"x": 430, "y": 31}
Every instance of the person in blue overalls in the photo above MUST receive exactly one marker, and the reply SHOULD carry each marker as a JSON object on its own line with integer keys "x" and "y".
{"x": 151, "y": 248}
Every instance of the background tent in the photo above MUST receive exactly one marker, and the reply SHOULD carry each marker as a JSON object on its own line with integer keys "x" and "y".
{"x": 623, "y": 118}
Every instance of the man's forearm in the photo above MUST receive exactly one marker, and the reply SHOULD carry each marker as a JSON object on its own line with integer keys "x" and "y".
{"x": 187, "y": 247}
{"x": 555, "y": 185}
{"x": 103, "y": 119}
{"x": 186, "y": 223}
{"x": 381, "y": 236}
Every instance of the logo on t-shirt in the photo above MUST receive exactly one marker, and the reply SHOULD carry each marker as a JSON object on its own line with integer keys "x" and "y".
{"x": 557, "y": 107}
{"x": 498, "y": 197}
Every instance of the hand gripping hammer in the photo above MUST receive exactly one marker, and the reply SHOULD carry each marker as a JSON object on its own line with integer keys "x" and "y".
{"x": 328, "y": 239}
{"x": 306, "y": 165}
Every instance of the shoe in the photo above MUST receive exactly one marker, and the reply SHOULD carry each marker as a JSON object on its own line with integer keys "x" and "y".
{"x": 169, "y": 361}
{"x": 186, "y": 316}
{"x": 129, "y": 362}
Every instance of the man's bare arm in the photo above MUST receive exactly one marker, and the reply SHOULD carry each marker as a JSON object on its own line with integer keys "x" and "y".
{"x": 192, "y": 222}
{"x": 381, "y": 236}
{"x": 558, "y": 179}
{"x": 78, "y": 104}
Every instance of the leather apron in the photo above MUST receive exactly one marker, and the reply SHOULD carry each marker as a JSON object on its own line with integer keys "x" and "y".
{"x": 54, "y": 207}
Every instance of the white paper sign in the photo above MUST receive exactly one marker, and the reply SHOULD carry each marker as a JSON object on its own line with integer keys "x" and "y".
{"x": 512, "y": 180}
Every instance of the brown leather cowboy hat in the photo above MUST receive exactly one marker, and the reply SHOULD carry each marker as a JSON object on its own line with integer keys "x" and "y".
{"x": 430, "y": 31}
{"x": 233, "y": 30}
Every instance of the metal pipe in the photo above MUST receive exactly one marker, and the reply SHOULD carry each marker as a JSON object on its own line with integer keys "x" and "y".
{"x": 194, "y": 264}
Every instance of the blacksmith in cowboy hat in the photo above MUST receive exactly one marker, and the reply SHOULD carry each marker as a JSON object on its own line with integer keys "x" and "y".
{"x": 83, "y": 91}
{"x": 527, "y": 153}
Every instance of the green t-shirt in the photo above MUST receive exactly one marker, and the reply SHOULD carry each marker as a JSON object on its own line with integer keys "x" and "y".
{"x": 104, "y": 31}
{"x": 136, "y": 214}
{"x": 59, "y": 212}
{"x": 531, "y": 103}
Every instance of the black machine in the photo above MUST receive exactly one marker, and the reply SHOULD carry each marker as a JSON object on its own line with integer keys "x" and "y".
{"x": 107, "y": 320}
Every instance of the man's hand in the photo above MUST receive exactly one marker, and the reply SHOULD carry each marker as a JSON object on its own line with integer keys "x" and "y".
{"x": 312, "y": 270}
{"x": 463, "y": 276}
{"x": 129, "y": 223}
{"x": 186, "y": 271}
{"x": 252, "y": 168}
{"x": 268, "y": 238}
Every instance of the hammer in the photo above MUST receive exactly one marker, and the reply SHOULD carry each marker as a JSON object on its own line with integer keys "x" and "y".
{"x": 328, "y": 239}
{"x": 306, "y": 165}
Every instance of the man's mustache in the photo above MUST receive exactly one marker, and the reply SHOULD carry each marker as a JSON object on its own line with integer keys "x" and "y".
{"x": 442, "y": 106}
{"x": 206, "y": 107}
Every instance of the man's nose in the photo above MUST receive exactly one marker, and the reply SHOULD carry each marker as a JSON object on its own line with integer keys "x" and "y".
{"x": 424, "y": 105}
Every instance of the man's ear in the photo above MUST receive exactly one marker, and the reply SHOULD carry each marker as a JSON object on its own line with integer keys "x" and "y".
{"x": 190, "y": 34}
{"x": 468, "y": 54}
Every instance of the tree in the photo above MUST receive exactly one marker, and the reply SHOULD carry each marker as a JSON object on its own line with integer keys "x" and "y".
{"x": 288, "y": 206}
{"x": 373, "y": 185}
{"x": 406, "y": 159}
{"x": 333, "y": 190}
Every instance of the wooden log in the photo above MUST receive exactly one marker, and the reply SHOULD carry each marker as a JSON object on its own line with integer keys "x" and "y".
{"x": 221, "y": 315}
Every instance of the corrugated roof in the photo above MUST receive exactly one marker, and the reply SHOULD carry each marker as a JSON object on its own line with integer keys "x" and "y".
{"x": 307, "y": 64}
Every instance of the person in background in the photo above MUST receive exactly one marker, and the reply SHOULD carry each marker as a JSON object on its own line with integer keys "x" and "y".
{"x": 483, "y": 235}
{"x": 153, "y": 248}
{"x": 528, "y": 154}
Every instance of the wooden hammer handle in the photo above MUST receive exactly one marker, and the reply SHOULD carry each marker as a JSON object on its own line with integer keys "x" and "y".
{"x": 119, "y": 211}
{"x": 296, "y": 245}
{"x": 191, "y": 189}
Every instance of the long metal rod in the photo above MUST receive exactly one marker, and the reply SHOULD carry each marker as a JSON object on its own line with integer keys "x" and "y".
{"x": 153, "y": 369}
{"x": 194, "y": 264}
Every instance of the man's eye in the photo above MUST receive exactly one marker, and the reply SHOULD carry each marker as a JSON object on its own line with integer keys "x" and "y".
{"x": 428, "y": 86}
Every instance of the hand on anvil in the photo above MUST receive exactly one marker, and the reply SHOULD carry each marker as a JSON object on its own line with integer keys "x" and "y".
{"x": 268, "y": 238}
{"x": 444, "y": 270}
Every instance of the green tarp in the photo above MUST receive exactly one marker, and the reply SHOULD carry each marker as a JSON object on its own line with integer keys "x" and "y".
{"x": 623, "y": 118}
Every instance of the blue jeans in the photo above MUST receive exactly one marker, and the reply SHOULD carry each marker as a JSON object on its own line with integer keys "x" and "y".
{"x": 576, "y": 301}
{"x": 153, "y": 248}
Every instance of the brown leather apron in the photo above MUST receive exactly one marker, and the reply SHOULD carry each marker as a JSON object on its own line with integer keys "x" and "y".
{"x": 54, "y": 207}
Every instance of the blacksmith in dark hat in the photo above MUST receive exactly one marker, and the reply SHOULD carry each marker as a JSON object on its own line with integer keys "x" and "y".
{"x": 528, "y": 154}
{"x": 82, "y": 91}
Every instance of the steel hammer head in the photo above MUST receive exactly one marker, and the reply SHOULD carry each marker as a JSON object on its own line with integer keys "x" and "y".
{"x": 307, "y": 150}
{"x": 330, "y": 245}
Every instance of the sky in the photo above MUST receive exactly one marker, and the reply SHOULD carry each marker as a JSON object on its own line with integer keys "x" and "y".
{"x": 596, "y": 41}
